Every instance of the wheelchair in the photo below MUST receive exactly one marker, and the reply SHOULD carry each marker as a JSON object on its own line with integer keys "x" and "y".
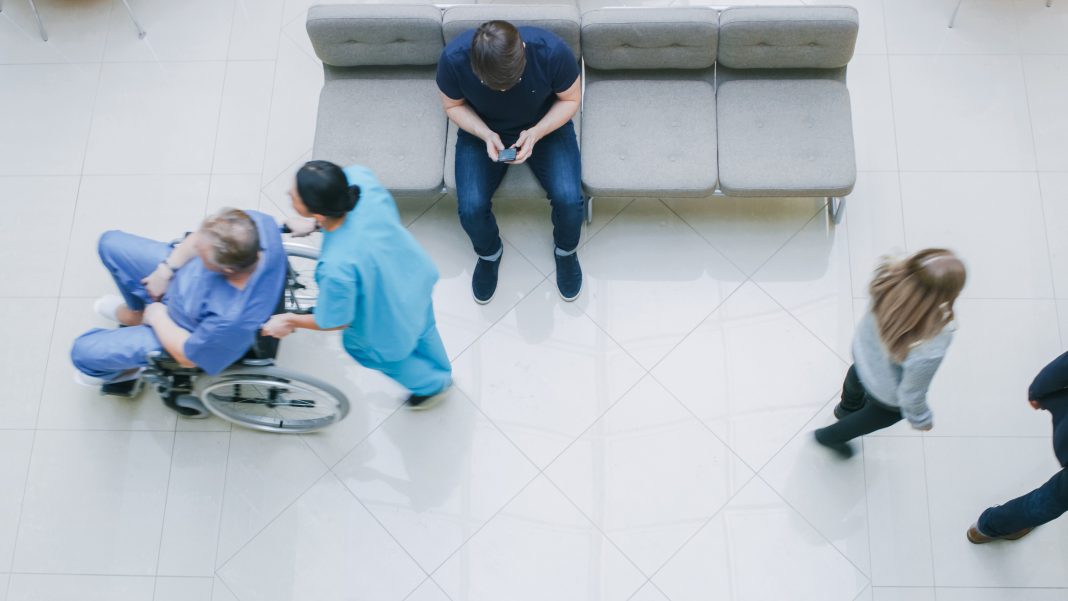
{"x": 253, "y": 392}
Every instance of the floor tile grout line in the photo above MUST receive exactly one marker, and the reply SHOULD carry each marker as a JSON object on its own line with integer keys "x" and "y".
{"x": 813, "y": 526}
{"x": 222, "y": 103}
{"x": 166, "y": 498}
{"x": 867, "y": 508}
{"x": 55, "y": 317}
{"x": 222, "y": 504}
{"x": 296, "y": 499}
{"x": 1042, "y": 201}
{"x": 930, "y": 522}
{"x": 773, "y": 254}
{"x": 226, "y": 585}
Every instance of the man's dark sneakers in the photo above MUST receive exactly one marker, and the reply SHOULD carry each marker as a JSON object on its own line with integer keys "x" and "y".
{"x": 568, "y": 276}
{"x": 484, "y": 280}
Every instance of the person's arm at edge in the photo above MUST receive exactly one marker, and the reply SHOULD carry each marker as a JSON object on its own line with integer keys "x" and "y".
{"x": 566, "y": 105}
{"x": 1052, "y": 378}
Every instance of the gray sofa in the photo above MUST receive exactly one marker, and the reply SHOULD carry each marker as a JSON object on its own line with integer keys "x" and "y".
{"x": 678, "y": 102}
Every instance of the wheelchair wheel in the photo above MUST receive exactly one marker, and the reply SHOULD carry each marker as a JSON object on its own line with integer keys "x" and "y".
{"x": 301, "y": 290}
{"x": 272, "y": 399}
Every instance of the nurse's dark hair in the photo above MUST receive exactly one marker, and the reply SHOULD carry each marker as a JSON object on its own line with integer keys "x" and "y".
{"x": 323, "y": 188}
{"x": 233, "y": 239}
{"x": 497, "y": 54}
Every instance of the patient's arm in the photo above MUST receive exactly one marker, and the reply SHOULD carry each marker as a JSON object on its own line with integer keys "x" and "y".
{"x": 157, "y": 282}
{"x": 170, "y": 334}
{"x": 283, "y": 324}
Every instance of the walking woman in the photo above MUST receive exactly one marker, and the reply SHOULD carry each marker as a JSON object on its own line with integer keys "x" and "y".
{"x": 374, "y": 279}
{"x": 897, "y": 348}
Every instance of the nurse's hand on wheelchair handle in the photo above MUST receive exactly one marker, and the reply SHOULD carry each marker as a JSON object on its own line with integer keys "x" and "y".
{"x": 300, "y": 226}
{"x": 278, "y": 326}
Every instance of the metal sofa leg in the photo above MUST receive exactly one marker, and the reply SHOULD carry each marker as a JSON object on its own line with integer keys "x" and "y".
{"x": 140, "y": 30}
{"x": 589, "y": 210}
{"x": 835, "y": 206}
{"x": 40, "y": 23}
{"x": 953, "y": 18}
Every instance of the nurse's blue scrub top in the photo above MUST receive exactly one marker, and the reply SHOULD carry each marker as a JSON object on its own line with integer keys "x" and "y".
{"x": 224, "y": 320}
{"x": 374, "y": 277}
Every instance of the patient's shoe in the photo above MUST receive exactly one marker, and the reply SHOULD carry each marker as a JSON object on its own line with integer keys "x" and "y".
{"x": 108, "y": 307}
{"x": 129, "y": 375}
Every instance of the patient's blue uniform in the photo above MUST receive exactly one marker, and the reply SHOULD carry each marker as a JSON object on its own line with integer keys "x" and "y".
{"x": 375, "y": 278}
{"x": 222, "y": 320}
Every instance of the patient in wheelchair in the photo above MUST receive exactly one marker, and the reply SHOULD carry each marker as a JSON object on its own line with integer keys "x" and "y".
{"x": 201, "y": 300}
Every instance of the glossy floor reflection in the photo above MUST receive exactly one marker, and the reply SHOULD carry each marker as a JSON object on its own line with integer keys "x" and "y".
{"x": 649, "y": 442}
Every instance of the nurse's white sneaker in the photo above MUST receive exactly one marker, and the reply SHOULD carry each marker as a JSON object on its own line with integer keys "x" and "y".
{"x": 418, "y": 402}
{"x": 108, "y": 307}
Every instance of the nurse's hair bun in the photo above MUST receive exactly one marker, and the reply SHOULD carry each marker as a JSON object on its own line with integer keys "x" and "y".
{"x": 324, "y": 189}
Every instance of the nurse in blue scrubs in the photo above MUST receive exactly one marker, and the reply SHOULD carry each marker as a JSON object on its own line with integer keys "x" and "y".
{"x": 375, "y": 281}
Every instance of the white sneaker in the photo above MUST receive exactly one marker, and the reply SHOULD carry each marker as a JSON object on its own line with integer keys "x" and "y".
{"x": 95, "y": 382}
{"x": 108, "y": 307}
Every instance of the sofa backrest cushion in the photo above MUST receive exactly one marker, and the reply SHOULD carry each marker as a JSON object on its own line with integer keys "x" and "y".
{"x": 361, "y": 35}
{"x": 562, "y": 20}
{"x": 650, "y": 38}
{"x": 787, "y": 37}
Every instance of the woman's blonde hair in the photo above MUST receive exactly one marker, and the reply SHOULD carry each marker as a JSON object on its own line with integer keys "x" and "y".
{"x": 912, "y": 298}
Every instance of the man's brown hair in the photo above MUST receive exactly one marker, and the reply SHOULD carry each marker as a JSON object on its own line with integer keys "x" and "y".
{"x": 497, "y": 54}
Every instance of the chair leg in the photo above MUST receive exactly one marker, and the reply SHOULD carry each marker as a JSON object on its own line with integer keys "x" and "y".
{"x": 40, "y": 23}
{"x": 140, "y": 30}
{"x": 953, "y": 18}
{"x": 835, "y": 206}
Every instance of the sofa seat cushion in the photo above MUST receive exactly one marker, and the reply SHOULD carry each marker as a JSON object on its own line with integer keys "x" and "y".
{"x": 649, "y": 138}
{"x": 785, "y": 138}
{"x": 393, "y": 126}
{"x": 519, "y": 180}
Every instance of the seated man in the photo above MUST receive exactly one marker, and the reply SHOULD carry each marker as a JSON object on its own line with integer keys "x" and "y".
{"x": 202, "y": 300}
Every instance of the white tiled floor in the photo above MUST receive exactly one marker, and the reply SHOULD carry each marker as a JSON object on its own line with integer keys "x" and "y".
{"x": 649, "y": 442}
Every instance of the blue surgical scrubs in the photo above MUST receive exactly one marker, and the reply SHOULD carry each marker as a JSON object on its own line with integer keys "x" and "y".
{"x": 375, "y": 278}
{"x": 221, "y": 319}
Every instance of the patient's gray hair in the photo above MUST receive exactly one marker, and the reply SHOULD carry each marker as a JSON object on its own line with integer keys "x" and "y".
{"x": 234, "y": 241}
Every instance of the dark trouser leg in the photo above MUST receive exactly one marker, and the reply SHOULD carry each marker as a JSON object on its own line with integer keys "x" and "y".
{"x": 1044, "y": 504}
{"x": 557, "y": 166}
{"x": 853, "y": 394}
{"x": 129, "y": 259}
{"x": 477, "y": 178}
{"x": 873, "y": 416}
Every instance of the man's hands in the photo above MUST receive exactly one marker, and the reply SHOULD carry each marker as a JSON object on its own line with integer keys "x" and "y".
{"x": 154, "y": 313}
{"x": 156, "y": 283}
{"x": 279, "y": 326}
{"x": 493, "y": 145}
{"x": 527, "y": 139}
{"x": 300, "y": 226}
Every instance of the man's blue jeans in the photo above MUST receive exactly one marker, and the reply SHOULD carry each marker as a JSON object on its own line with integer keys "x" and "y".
{"x": 555, "y": 163}
{"x": 1045, "y": 503}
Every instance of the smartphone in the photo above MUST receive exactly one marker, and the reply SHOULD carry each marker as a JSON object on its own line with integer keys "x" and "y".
{"x": 506, "y": 155}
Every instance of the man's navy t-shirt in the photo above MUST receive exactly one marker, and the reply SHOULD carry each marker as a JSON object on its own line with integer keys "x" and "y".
{"x": 551, "y": 68}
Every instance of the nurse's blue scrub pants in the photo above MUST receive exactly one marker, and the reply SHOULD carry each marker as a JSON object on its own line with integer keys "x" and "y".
{"x": 425, "y": 372}
{"x": 105, "y": 353}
